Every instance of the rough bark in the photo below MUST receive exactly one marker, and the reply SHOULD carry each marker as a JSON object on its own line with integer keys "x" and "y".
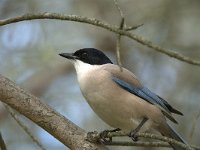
{"x": 43, "y": 115}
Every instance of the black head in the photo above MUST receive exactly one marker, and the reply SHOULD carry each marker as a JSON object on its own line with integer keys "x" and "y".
{"x": 88, "y": 55}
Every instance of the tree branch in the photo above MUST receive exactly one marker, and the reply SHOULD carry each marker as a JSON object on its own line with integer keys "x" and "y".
{"x": 2, "y": 143}
{"x": 94, "y": 136}
{"x": 122, "y": 24}
{"x": 25, "y": 128}
{"x": 153, "y": 136}
{"x": 54, "y": 123}
{"x": 139, "y": 143}
{"x": 194, "y": 124}
{"x": 104, "y": 25}
{"x": 60, "y": 127}
{"x": 44, "y": 116}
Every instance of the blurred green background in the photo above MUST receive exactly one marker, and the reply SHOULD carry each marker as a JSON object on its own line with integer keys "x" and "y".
{"x": 29, "y": 56}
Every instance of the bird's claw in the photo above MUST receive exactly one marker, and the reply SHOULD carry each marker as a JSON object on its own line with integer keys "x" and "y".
{"x": 133, "y": 135}
{"x": 104, "y": 136}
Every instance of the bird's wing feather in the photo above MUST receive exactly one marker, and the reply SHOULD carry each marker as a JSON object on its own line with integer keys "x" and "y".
{"x": 145, "y": 94}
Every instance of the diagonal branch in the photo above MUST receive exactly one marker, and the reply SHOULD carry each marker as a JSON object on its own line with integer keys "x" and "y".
{"x": 56, "y": 124}
{"x": 104, "y": 25}
{"x": 2, "y": 143}
{"x": 194, "y": 124}
{"x": 43, "y": 115}
{"x": 25, "y": 128}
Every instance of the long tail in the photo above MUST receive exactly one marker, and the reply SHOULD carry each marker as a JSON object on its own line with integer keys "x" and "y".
{"x": 171, "y": 133}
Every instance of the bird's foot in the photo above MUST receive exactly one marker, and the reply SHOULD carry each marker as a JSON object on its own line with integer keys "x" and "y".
{"x": 133, "y": 135}
{"x": 104, "y": 135}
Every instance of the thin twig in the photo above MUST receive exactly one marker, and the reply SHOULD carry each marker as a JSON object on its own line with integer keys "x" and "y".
{"x": 144, "y": 144}
{"x": 194, "y": 124}
{"x": 133, "y": 27}
{"x": 139, "y": 143}
{"x": 34, "y": 139}
{"x": 119, "y": 9}
{"x": 2, "y": 143}
{"x": 164, "y": 139}
{"x": 118, "y": 52}
{"x": 94, "y": 136}
{"x": 104, "y": 25}
{"x": 153, "y": 136}
{"x": 122, "y": 23}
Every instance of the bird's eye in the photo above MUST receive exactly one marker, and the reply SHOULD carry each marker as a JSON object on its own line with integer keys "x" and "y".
{"x": 84, "y": 55}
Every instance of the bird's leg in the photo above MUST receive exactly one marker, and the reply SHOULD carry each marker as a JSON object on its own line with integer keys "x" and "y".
{"x": 103, "y": 135}
{"x": 133, "y": 132}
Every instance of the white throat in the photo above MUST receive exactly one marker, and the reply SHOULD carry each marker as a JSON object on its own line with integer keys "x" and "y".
{"x": 82, "y": 68}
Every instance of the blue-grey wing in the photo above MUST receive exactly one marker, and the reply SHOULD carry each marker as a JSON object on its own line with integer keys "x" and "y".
{"x": 141, "y": 92}
{"x": 146, "y": 94}
{"x": 127, "y": 80}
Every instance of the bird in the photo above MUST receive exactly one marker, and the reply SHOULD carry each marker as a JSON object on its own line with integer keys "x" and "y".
{"x": 119, "y": 98}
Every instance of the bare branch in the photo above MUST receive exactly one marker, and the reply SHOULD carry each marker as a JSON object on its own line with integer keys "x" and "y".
{"x": 139, "y": 143}
{"x": 133, "y": 27}
{"x": 2, "y": 143}
{"x": 156, "y": 137}
{"x": 96, "y": 136}
{"x": 44, "y": 116}
{"x": 118, "y": 52}
{"x": 144, "y": 144}
{"x": 119, "y": 9}
{"x": 28, "y": 132}
{"x": 54, "y": 123}
{"x": 104, "y": 25}
{"x": 194, "y": 124}
{"x": 122, "y": 23}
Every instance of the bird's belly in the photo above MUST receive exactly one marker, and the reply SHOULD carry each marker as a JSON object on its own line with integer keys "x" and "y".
{"x": 115, "y": 112}
{"x": 109, "y": 113}
{"x": 112, "y": 104}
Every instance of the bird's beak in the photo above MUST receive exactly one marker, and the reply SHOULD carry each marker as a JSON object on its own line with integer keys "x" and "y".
{"x": 68, "y": 55}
